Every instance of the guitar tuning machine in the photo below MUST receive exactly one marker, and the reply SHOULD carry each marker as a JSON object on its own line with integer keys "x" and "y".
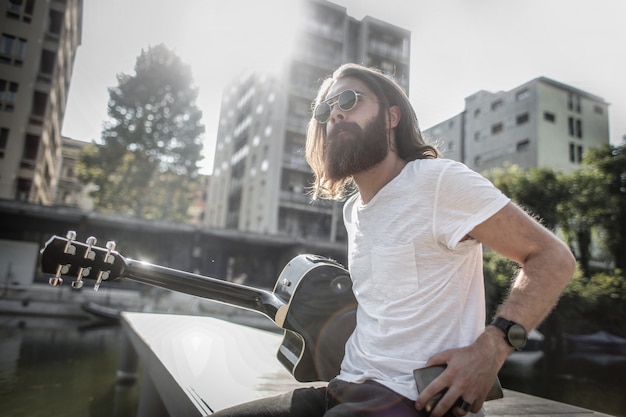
{"x": 82, "y": 272}
{"x": 108, "y": 258}
{"x": 90, "y": 254}
{"x": 57, "y": 280}
{"x": 69, "y": 248}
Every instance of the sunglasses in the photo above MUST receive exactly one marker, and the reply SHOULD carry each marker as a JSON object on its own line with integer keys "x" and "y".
{"x": 346, "y": 101}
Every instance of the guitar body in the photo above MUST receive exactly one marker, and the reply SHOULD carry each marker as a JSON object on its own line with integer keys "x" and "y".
{"x": 312, "y": 299}
{"x": 320, "y": 317}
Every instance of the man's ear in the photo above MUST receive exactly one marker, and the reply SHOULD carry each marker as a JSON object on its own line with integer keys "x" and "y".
{"x": 394, "y": 116}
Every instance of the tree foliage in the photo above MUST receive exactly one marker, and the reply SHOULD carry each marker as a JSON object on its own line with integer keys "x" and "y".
{"x": 586, "y": 206}
{"x": 580, "y": 215}
{"x": 585, "y": 203}
{"x": 538, "y": 190}
{"x": 151, "y": 145}
{"x": 609, "y": 165}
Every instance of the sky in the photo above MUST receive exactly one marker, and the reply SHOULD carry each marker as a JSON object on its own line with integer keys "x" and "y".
{"x": 458, "y": 47}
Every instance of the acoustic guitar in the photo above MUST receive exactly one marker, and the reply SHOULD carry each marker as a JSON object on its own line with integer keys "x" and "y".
{"x": 312, "y": 299}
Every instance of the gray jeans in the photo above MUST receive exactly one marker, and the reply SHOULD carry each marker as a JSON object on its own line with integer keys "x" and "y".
{"x": 338, "y": 399}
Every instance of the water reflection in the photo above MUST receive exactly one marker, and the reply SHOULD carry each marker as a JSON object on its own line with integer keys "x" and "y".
{"x": 57, "y": 367}
{"x": 594, "y": 380}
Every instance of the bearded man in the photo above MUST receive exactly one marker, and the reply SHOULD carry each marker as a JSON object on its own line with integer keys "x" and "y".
{"x": 416, "y": 226}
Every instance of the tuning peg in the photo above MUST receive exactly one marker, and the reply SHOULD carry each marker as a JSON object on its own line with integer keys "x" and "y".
{"x": 102, "y": 276}
{"x": 90, "y": 254}
{"x": 69, "y": 248}
{"x": 57, "y": 280}
{"x": 82, "y": 272}
{"x": 108, "y": 258}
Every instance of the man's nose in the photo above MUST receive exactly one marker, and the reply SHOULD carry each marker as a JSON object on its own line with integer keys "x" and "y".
{"x": 336, "y": 114}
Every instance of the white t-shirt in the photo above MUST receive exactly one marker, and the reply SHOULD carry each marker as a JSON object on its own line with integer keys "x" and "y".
{"x": 420, "y": 288}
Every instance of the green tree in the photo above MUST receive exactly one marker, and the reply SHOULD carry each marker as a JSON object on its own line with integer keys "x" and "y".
{"x": 610, "y": 163}
{"x": 538, "y": 190}
{"x": 580, "y": 215}
{"x": 151, "y": 145}
{"x": 499, "y": 273}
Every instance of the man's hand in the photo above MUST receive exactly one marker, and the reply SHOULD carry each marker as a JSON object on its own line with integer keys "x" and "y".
{"x": 470, "y": 374}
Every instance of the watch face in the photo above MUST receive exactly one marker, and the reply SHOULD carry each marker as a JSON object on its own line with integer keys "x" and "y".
{"x": 517, "y": 336}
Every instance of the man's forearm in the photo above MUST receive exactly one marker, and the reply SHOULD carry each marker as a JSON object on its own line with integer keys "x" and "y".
{"x": 538, "y": 286}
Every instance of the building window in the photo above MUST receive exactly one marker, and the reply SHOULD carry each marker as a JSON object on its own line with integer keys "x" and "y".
{"x": 497, "y": 128}
{"x": 521, "y": 95}
{"x": 12, "y": 50}
{"x": 476, "y": 113}
{"x": 496, "y": 105}
{"x": 23, "y": 189}
{"x": 477, "y": 136}
{"x": 40, "y": 102}
{"x": 598, "y": 109}
{"x": 48, "y": 60}
{"x": 573, "y": 102}
{"x": 31, "y": 148}
{"x": 56, "y": 22}
{"x": 522, "y": 118}
{"x": 575, "y": 127}
{"x": 522, "y": 145}
{"x": 8, "y": 94}
{"x": 4, "y": 139}
{"x": 549, "y": 117}
{"x": 20, "y": 9}
{"x": 575, "y": 153}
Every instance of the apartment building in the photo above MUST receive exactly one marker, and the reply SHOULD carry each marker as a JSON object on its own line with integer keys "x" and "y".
{"x": 260, "y": 178}
{"x": 38, "y": 42}
{"x": 70, "y": 192}
{"x": 542, "y": 123}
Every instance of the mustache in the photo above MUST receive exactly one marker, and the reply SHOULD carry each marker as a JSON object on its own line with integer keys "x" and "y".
{"x": 344, "y": 126}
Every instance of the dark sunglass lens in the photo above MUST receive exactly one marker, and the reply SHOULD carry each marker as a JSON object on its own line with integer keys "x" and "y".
{"x": 347, "y": 100}
{"x": 322, "y": 112}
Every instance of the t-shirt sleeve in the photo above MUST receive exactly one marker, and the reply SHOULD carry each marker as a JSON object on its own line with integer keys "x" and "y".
{"x": 463, "y": 200}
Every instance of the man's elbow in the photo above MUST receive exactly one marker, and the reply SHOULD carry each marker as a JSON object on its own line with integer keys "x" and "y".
{"x": 566, "y": 263}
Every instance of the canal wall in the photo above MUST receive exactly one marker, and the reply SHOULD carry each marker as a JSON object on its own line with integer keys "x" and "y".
{"x": 46, "y": 301}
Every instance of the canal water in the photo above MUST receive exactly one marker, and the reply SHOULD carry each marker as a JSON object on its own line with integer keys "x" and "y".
{"x": 67, "y": 368}
{"x": 61, "y": 368}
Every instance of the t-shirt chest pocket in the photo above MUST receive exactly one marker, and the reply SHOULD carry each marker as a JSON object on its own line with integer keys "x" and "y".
{"x": 394, "y": 270}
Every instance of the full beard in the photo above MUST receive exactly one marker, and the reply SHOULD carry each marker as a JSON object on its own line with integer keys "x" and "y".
{"x": 348, "y": 149}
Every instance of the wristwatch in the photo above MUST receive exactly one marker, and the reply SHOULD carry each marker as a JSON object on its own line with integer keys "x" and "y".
{"x": 514, "y": 333}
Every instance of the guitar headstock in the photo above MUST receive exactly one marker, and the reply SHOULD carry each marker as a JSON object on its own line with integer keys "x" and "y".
{"x": 67, "y": 256}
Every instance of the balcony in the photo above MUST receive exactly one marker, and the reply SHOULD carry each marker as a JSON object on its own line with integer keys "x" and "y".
{"x": 295, "y": 161}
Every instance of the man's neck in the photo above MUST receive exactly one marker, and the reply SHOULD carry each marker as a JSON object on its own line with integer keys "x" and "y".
{"x": 370, "y": 182}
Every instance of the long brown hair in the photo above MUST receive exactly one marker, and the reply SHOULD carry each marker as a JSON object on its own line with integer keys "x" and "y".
{"x": 410, "y": 144}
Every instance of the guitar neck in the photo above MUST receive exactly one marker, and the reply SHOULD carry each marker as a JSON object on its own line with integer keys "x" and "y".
{"x": 237, "y": 295}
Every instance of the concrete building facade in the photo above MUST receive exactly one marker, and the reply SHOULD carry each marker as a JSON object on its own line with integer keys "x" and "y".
{"x": 260, "y": 177}
{"x": 38, "y": 43}
{"x": 70, "y": 192}
{"x": 542, "y": 123}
